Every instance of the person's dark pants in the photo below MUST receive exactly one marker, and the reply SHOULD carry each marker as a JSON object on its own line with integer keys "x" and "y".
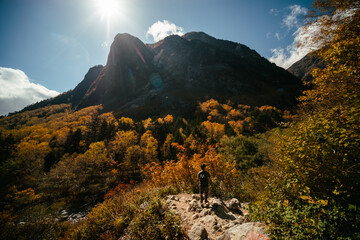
{"x": 204, "y": 190}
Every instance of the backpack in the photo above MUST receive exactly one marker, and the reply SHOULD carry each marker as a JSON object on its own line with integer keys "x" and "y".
{"x": 204, "y": 178}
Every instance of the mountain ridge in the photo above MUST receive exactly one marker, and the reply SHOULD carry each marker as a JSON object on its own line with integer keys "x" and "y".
{"x": 172, "y": 75}
{"x": 303, "y": 68}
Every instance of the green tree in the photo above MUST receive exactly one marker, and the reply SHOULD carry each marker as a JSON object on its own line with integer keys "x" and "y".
{"x": 319, "y": 155}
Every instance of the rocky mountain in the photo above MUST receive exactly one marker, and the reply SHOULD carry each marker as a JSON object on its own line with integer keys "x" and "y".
{"x": 74, "y": 96}
{"x": 303, "y": 68}
{"x": 172, "y": 75}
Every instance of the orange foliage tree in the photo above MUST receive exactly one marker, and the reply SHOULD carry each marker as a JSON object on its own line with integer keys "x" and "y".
{"x": 182, "y": 173}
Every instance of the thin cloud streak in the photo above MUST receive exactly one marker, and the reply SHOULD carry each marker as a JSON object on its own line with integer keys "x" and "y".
{"x": 291, "y": 20}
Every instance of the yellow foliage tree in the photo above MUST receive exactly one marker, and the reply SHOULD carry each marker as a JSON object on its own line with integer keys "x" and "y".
{"x": 149, "y": 146}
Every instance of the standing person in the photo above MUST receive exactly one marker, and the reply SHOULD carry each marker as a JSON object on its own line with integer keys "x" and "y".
{"x": 204, "y": 177}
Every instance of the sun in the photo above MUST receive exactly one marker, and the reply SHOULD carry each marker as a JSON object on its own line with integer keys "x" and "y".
{"x": 107, "y": 8}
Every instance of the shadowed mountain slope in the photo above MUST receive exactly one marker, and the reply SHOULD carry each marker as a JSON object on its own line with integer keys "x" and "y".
{"x": 303, "y": 68}
{"x": 172, "y": 75}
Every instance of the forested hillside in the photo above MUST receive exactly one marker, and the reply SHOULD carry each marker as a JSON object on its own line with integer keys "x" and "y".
{"x": 55, "y": 158}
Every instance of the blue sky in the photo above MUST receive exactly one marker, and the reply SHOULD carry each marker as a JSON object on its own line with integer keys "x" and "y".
{"x": 47, "y": 46}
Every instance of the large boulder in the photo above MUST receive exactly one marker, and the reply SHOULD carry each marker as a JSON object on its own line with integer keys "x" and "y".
{"x": 220, "y": 210}
{"x": 198, "y": 232}
{"x": 250, "y": 231}
{"x": 194, "y": 206}
{"x": 233, "y": 204}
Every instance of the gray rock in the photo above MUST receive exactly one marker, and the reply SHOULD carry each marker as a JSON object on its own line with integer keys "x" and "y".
{"x": 172, "y": 197}
{"x": 144, "y": 206}
{"x": 193, "y": 206}
{"x": 76, "y": 217}
{"x": 242, "y": 231}
{"x": 197, "y": 232}
{"x": 209, "y": 220}
{"x": 64, "y": 212}
{"x": 233, "y": 204}
{"x": 64, "y": 215}
{"x": 195, "y": 216}
{"x": 205, "y": 212}
{"x": 217, "y": 228}
{"x": 222, "y": 212}
{"x": 217, "y": 201}
{"x": 125, "y": 237}
{"x": 196, "y": 196}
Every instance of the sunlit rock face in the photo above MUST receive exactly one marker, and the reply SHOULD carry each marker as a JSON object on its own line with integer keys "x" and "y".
{"x": 127, "y": 74}
{"x": 174, "y": 74}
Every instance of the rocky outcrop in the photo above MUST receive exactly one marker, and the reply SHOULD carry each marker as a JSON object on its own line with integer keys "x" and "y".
{"x": 250, "y": 231}
{"x": 127, "y": 74}
{"x": 303, "y": 68}
{"x": 222, "y": 220}
{"x": 198, "y": 232}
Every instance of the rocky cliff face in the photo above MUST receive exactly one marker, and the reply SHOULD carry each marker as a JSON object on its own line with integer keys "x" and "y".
{"x": 303, "y": 68}
{"x": 172, "y": 75}
{"x": 126, "y": 74}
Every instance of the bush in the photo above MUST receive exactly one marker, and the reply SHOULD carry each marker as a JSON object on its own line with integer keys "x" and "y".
{"x": 138, "y": 213}
{"x": 244, "y": 151}
{"x": 42, "y": 229}
{"x": 308, "y": 219}
{"x": 155, "y": 222}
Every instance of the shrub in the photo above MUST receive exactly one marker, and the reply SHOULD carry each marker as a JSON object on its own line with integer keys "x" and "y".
{"x": 155, "y": 222}
{"x": 138, "y": 213}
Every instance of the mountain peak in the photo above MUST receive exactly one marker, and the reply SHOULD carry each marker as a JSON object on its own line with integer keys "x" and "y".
{"x": 198, "y": 35}
{"x": 172, "y": 75}
{"x": 240, "y": 50}
{"x": 124, "y": 46}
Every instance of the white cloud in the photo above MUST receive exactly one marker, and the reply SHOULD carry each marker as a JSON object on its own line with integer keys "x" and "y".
{"x": 105, "y": 44}
{"x": 274, "y": 11}
{"x": 291, "y": 20}
{"x": 277, "y": 35}
{"x": 16, "y": 91}
{"x": 307, "y": 36}
{"x": 285, "y": 57}
{"x": 162, "y": 29}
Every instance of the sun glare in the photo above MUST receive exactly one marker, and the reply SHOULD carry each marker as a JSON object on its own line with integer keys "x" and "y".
{"x": 107, "y": 8}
